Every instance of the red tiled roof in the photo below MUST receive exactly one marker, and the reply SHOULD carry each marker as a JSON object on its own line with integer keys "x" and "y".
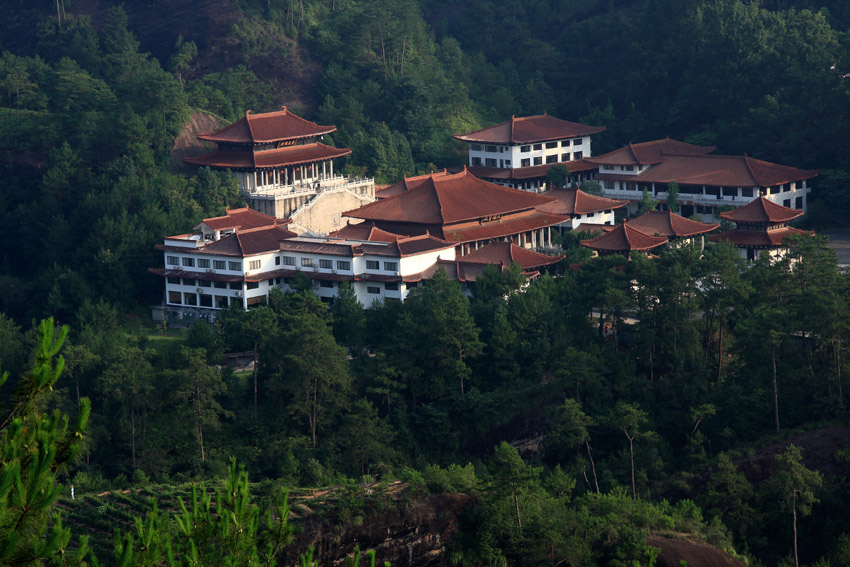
{"x": 242, "y": 218}
{"x": 448, "y": 198}
{"x": 762, "y": 210}
{"x": 248, "y": 242}
{"x": 669, "y": 224}
{"x": 648, "y": 153}
{"x": 506, "y": 227}
{"x": 279, "y": 157}
{"x": 577, "y": 202}
{"x": 507, "y": 253}
{"x": 266, "y": 128}
{"x": 530, "y": 129}
{"x": 757, "y": 238}
{"x": 363, "y": 231}
{"x": 408, "y": 183}
{"x": 624, "y": 238}
{"x": 531, "y": 172}
{"x": 727, "y": 171}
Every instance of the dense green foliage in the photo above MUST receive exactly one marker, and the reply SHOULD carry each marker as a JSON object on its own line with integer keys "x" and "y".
{"x": 647, "y": 382}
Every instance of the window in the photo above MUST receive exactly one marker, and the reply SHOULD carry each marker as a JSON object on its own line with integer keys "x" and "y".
{"x": 391, "y": 286}
{"x": 609, "y": 184}
{"x": 326, "y": 264}
{"x": 220, "y": 285}
{"x": 607, "y": 168}
{"x": 219, "y": 264}
{"x": 552, "y": 159}
{"x": 525, "y": 163}
{"x": 391, "y": 266}
{"x": 577, "y": 155}
{"x": 236, "y": 266}
{"x": 798, "y": 203}
{"x": 204, "y": 283}
{"x": 221, "y": 301}
{"x": 189, "y": 262}
{"x": 206, "y": 301}
{"x": 372, "y": 265}
{"x": 491, "y": 149}
{"x": 343, "y": 265}
{"x": 236, "y": 285}
{"x": 172, "y": 261}
{"x": 277, "y": 260}
{"x": 288, "y": 261}
{"x": 475, "y": 147}
{"x": 773, "y": 191}
{"x": 591, "y": 215}
{"x": 373, "y": 289}
{"x": 175, "y": 281}
{"x": 629, "y": 168}
{"x": 476, "y": 161}
{"x": 577, "y": 141}
{"x": 786, "y": 203}
{"x": 525, "y": 148}
{"x": 565, "y": 157}
{"x": 565, "y": 143}
{"x": 325, "y": 283}
{"x": 490, "y": 162}
{"x": 307, "y": 262}
{"x": 747, "y": 192}
{"x": 538, "y": 160}
{"x": 174, "y": 297}
{"x": 188, "y": 282}
{"x": 538, "y": 147}
{"x": 507, "y": 163}
{"x": 255, "y": 265}
{"x": 550, "y": 145}
{"x": 203, "y": 263}
{"x": 190, "y": 299}
{"x": 252, "y": 285}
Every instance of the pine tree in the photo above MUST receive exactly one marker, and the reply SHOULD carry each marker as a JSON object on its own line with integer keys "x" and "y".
{"x": 34, "y": 447}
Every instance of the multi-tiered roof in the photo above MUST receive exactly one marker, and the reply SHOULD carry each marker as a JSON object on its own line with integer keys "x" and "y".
{"x": 267, "y": 141}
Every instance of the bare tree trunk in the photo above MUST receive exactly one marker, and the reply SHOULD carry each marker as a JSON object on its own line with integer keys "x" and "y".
{"x": 720, "y": 353}
{"x": 403, "y": 46}
{"x": 516, "y": 503}
{"x": 133, "y": 434}
{"x": 314, "y": 411}
{"x": 794, "y": 514}
{"x": 200, "y": 424}
{"x": 632, "y": 459}
{"x": 592, "y": 465}
{"x": 775, "y": 392}
{"x": 255, "y": 381}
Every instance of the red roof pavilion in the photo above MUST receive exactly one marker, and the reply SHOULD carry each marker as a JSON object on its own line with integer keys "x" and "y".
{"x": 577, "y": 202}
{"x": 267, "y": 128}
{"x": 671, "y": 225}
{"x": 624, "y": 239}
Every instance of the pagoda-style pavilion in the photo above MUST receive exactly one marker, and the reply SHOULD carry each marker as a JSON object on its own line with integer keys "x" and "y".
{"x": 760, "y": 228}
{"x": 624, "y": 239}
{"x": 673, "y": 226}
{"x": 519, "y": 152}
{"x": 279, "y": 160}
{"x": 706, "y": 181}
{"x": 462, "y": 209}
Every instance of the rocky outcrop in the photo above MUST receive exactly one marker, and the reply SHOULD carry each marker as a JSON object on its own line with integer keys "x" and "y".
{"x": 405, "y": 532}
{"x": 678, "y": 551}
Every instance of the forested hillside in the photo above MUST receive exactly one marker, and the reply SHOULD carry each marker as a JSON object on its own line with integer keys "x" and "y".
{"x": 687, "y": 396}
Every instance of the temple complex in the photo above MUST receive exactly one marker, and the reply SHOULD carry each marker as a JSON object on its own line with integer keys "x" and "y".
{"x": 280, "y": 162}
{"x": 519, "y": 152}
{"x": 706, "y": 181}
{"x": 760, "y": 228}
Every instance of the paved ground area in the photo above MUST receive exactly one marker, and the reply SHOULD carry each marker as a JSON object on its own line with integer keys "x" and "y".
{"x": 840, "y": 241}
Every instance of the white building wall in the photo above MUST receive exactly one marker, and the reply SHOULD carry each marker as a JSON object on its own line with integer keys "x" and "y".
{"x": 511, "y": 157}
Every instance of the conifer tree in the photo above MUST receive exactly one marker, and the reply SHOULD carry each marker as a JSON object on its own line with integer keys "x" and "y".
{"x": 34, "y": 447}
